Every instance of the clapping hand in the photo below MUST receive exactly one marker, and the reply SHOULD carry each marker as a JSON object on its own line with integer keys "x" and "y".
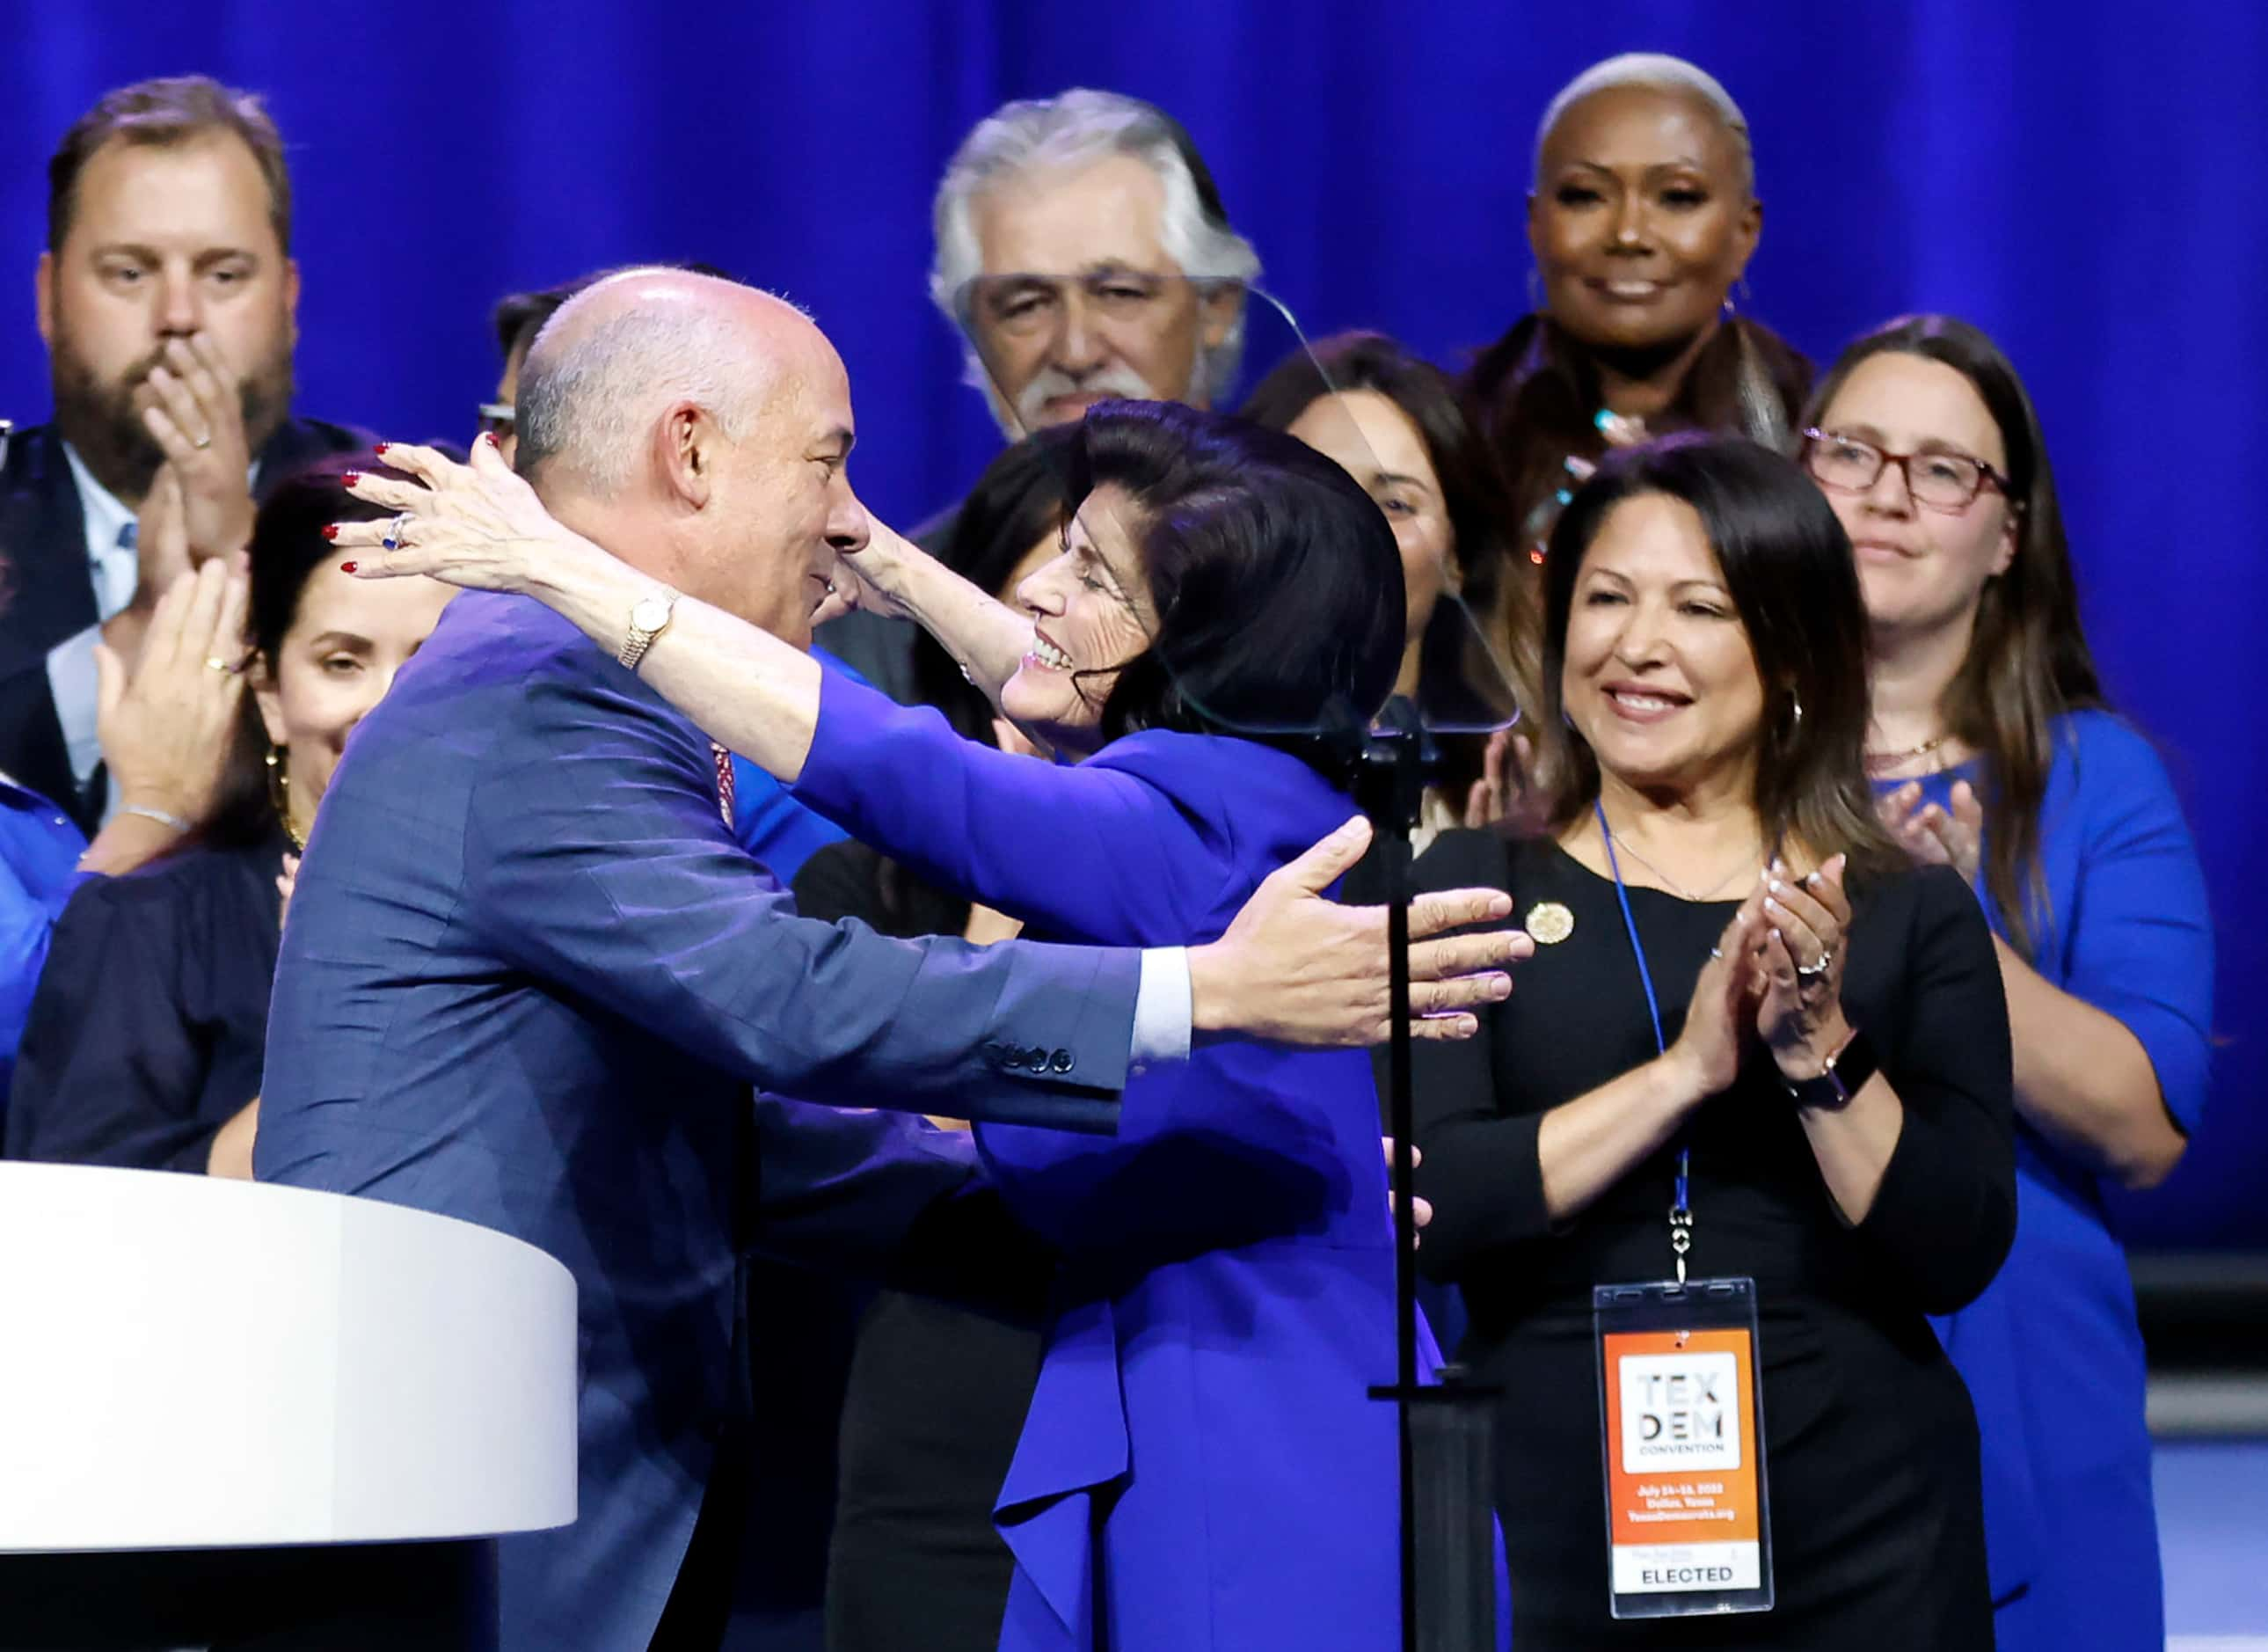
{"x": 161, "y": 557}
{"x": 193, "y": 409}
{"x": 166, "y": 720}
{"x": 1708, "y": 1046}
{"x": 1798, "y": 973}
{"x": 1507, "y": 786}
{"x": 1933, "y": 835}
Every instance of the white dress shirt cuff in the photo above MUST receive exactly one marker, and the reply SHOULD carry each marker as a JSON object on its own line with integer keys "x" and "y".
{"x": 1162, "y": 1009}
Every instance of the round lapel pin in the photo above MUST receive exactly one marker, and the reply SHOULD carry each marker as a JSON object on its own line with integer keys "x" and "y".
{"x": 1548, "y": 923}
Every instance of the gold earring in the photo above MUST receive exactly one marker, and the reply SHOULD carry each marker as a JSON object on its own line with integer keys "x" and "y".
{"x": 279, "y": 792}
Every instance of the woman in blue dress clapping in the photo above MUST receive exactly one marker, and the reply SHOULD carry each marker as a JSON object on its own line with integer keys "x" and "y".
{"x": 1994, "y": 751}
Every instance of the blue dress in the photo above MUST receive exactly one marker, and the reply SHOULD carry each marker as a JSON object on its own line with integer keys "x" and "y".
{"x": 2051, "y": 1352}
{"x": 1201, "y": 1467}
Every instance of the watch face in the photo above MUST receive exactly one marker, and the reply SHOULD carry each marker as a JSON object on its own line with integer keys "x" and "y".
{"x": 649, "y": 613}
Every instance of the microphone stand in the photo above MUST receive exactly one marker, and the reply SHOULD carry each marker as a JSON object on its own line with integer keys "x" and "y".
{"x": 1447, "y": 1459}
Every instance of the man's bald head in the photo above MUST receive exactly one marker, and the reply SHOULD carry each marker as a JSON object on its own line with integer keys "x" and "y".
{"x": 620, "y": 354}
{"x": 701, "y": 430}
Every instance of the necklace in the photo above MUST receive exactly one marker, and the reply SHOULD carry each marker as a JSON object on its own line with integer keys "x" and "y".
{"x": 1881, "y": 762}
{"x": 1675, "y": 887}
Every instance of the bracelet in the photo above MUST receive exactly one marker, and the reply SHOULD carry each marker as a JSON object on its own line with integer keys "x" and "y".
{"x": 1844, "y": 1074}
{"x": 157, "y": 815}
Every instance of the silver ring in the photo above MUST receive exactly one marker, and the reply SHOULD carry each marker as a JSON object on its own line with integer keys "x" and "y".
{"x": 203, "y": 442}
{"x": 1812, "y": 972}
{"x": 396, "y": 531}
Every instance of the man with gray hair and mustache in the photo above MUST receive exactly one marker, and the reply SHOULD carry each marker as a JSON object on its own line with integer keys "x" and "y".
{"x": 1083, "y": 253}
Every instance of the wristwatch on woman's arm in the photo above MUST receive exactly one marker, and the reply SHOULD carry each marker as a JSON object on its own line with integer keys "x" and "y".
{"x": 1844, "y": 1075}
{"x": 650, "y": 616}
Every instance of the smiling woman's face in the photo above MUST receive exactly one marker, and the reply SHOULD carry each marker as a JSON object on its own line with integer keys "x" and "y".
{"x": 1091, "y": 605}
{"x": 1641, "y": 220}
{"x": 1659, "y": 677}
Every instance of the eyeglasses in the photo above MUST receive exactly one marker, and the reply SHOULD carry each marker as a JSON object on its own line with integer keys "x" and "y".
{"x": 1940, "y": 480}
{"x": 497, "y": 419}
{"x": 1024, "y": 305}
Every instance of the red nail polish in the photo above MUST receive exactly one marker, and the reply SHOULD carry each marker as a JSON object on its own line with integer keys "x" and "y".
{"x": 380, "y": 448}
{"x": 330, "y": 530}
{"x": 346, "y": 567}
{"x": 348, "y": 479}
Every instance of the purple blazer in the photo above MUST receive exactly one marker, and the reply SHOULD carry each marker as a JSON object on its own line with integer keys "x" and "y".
{"x": 1201, "y": 1427}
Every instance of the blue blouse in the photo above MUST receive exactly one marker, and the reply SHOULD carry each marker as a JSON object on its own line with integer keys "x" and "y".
{"x": 1227, "y": 1291}
{"x": 776, "y": 830}
{"x": 2051, "y": 1352}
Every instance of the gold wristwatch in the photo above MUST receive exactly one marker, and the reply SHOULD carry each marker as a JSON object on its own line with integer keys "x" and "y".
{"x": 649, "y": 618}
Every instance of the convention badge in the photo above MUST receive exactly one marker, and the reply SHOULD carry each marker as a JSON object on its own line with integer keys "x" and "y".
{"x": 1682, "y": 1447}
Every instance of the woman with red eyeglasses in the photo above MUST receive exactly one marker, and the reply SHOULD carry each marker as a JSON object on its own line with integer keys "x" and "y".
{"x": 1993, "y": 749}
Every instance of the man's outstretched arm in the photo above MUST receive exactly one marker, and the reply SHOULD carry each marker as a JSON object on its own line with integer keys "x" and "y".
{"x": 601, "y": 863}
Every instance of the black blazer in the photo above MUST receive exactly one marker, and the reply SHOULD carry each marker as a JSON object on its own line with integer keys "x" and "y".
{"x": 48, "y": 595}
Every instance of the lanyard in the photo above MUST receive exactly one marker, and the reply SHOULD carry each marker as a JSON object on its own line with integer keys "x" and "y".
{"x": 1681, "y": 1209}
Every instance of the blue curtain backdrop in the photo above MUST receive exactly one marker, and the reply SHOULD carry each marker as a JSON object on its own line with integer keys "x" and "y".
{"x": 2087, "y": 178}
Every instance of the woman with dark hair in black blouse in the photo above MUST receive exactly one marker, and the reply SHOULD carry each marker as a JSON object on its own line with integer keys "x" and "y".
{"x": 1831, "y": 1050}
{"x": 149, "y": 1028}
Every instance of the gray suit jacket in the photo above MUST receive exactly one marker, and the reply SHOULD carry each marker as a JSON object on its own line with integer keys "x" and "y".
{"x": 528, "y": 981}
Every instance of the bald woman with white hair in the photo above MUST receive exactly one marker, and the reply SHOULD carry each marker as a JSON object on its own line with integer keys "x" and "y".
{"x": 1642, "y": 216}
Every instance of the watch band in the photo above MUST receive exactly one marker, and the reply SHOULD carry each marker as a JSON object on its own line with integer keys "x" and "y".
{"x": 1844, "y": 1076}
{"x": 650, "y": 616}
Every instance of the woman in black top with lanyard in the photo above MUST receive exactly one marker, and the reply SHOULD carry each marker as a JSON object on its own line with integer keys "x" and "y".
{"x": 1743, "y": 995}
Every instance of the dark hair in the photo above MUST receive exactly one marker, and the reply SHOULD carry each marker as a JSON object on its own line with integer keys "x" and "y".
{"x": 2028, "y": 662}
{"x": 287, "y": 546}
{"x": 1788, "y": 568}
{"x": 1274, "y": 578}
{"x": 1015, "y": 503}
{"x": 161, "y": 114}
{"x": 1454, "y": 684}
{"x": 520, "y": 316}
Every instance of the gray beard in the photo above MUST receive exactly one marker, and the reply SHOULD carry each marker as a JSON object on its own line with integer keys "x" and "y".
{"x": 100, "y": 421}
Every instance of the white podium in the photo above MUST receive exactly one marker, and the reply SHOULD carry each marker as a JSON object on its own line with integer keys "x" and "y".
{"x": 189, "y": 1364}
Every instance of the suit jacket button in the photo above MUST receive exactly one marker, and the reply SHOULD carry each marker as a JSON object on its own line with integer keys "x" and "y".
{"x": 1036, "y": 1058}
{"x": 1061, "y": 1062}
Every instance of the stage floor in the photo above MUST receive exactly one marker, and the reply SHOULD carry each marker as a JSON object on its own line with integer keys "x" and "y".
{"x": 2213, "y": 1526}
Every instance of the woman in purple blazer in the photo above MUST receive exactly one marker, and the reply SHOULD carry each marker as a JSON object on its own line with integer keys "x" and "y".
{"x": 1201, "y": 1466}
